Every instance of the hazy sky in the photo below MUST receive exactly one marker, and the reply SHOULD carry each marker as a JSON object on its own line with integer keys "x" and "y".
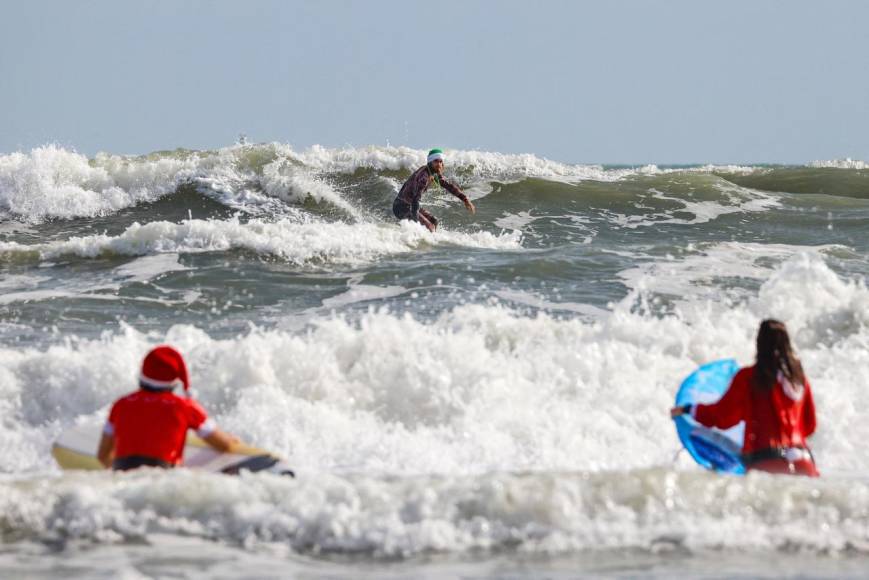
{"x": 587, "y": 82}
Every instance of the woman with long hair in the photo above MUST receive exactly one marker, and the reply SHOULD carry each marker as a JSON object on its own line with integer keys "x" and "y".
{"x": 774, "y": 399}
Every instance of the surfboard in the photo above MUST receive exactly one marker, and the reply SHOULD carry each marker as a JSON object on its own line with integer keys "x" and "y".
{"x": 76, "y": 448}
{"x": 715, "y": 449}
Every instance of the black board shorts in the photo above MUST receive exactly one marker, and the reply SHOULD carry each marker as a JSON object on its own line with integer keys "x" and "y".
{"x": 137, "y": 461}
{"x": 405, "y": 211}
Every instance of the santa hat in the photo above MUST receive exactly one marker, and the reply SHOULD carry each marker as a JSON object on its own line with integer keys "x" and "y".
{"x": 164, "y": 369}
{"x": 434, "y": 155}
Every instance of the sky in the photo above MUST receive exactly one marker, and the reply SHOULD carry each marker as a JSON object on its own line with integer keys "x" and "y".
{"x": 617, "y": 82}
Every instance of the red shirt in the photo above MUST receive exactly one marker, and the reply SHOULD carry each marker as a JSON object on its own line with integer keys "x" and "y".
{"x": 155, "y": 424}
{"x": 779, "y": 417}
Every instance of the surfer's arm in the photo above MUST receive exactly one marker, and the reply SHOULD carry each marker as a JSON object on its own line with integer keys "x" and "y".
{"x": 106, "y": 450}
{"x": 456, "y": 191}
{"x": 221, "y": 440}
{"x": 207, "y": 430}
{"x": 729, "y": 409}
{"x": 106, "y": 447}
{"x": 451, "y": 187}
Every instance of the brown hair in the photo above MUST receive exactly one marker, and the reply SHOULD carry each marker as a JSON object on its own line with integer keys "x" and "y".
{"x": 774, "y": 355}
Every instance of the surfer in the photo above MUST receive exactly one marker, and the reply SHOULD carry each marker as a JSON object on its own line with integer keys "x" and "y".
{"x": 406, "y": 204}
{"x": 149, "y": 427}
{"x": 774, "y": 399}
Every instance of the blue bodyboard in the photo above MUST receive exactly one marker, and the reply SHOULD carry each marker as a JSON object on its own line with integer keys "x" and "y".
{"x": 715, "y": 449}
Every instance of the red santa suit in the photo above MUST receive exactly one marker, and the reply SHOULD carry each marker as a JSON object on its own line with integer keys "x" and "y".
{"x": 778, "y": 421}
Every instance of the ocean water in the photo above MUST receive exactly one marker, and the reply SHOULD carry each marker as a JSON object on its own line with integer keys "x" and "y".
{"x": 487, "y": 401}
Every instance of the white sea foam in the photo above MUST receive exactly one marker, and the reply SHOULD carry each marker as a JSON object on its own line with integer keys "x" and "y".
{"x": 735, "y": 200}
{"x": 363, "y": 293}
{"x": 283, "y": 181}
{"x": 516, "y": 221}
{"x": 299, "y": 243}
{"x": 529, "y": 299}
{"x": 149, "y": 267}
{"x": 481, "y": 164}
{"x": 703, "y": 272}
{"x": 651, "y": 510}
{"x": 53, "y": 182}
{"x": 846, "y": 163}
{"x": 100, "y": 286}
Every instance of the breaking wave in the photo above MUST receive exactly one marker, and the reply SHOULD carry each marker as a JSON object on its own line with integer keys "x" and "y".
{"x": 305, "y": 243}
{"x": 52, "y": 182}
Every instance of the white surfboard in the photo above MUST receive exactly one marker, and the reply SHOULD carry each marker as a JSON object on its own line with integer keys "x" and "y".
{"x": 76, "y": 448}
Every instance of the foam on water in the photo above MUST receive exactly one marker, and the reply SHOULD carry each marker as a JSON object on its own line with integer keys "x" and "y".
{"x": 149, "y": 267}
{"x": 284, "y": 182}
{"x": 846, "y": 163}
{"x": 53, "y": 182}
{"x": 698, "y": 274}
{"x": 736, "y": 200}
{"x": 363, "y": 293}
{"x": 306, "y": 243}
{"x": 482, "y": 164}
{"x": 530, "y": 299}
{"x": 549, "y": 513}
{"x": 18, "y": 288}
{"x": 516, "y": 221}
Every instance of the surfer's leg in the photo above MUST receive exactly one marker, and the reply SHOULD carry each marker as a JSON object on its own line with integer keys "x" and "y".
{"x": 427, "y": 215}
{"x": 419, "y": 215}
{"x": 424, "y": 221}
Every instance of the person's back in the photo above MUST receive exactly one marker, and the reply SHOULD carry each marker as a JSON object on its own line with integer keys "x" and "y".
{"x": 154, "y": 424}
{"x": 778, "y": 420}
{"x": 782, "y": 415}
{"x": 149, "y": 427}
{"x": 775, "y": 400}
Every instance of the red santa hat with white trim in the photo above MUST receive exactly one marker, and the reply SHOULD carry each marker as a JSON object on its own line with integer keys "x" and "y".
{"x": 164, "y": 369}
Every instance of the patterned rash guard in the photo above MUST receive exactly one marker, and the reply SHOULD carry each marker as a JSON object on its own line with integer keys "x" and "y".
{"x": 406, "y": 204}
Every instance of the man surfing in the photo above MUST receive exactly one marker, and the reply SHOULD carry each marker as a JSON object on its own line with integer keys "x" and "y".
{"x": 406, "y": 204}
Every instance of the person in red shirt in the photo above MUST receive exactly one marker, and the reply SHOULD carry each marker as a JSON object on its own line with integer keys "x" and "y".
{"x": 774, "y": 399}
{"x": 149, "y": 427}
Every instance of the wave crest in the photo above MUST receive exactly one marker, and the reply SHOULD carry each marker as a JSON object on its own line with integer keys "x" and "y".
{"x": 301, "y": 243}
